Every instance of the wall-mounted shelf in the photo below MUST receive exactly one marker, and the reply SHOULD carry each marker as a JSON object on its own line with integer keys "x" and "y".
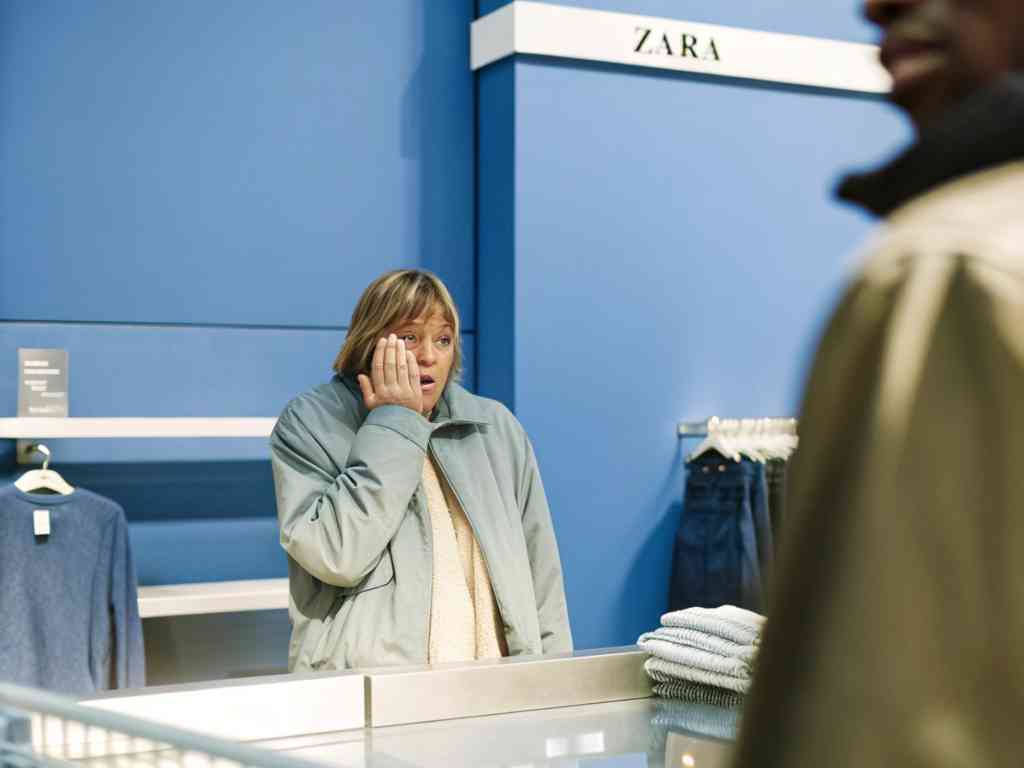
{"x": 171, "y": 599}
{"x": 25, "y": 428}
{"x": 213, "y": 597}
{"x": 28, "y": 429}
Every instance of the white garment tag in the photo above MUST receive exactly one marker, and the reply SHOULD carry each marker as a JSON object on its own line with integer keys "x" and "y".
{"x": 41, "y": 521}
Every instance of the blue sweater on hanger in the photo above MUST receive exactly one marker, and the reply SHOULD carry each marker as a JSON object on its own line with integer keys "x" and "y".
{"x": 69, "y": 612}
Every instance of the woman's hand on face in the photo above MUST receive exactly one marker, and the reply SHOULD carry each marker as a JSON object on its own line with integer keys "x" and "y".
{"x": 394, "y": 377}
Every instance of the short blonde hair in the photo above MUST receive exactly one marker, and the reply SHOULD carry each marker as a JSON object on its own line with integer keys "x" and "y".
{"x": 391, "y": 299}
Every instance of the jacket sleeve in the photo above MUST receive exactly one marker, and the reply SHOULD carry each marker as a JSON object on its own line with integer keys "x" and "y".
{"x": 545, "y": 563}
{"x": 128, "y": 667}
{"x": 336, "y": 524}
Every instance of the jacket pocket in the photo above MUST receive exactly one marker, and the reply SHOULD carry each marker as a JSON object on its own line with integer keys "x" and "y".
{"x": 321, "y": 653}
{"x": 325, "y": 654}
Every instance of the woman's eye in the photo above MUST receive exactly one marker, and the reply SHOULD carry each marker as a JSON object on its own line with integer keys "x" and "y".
{"x": 445, "y": 341}
{"x": 408, "y": 338}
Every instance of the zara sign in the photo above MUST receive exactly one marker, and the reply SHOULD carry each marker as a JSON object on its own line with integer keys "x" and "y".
{"x": 685, "y": 45}
{"x": 541, "y": 29}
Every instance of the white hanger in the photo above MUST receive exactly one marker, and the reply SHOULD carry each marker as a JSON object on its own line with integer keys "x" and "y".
{"x": 718, "y": 439}
{"x": 772, "y": 441}
{"x": 757, "y": 439}
{"x": 783, "y": 440}
{"x": 44, "y": 479}
{"x": 752, "y": 443}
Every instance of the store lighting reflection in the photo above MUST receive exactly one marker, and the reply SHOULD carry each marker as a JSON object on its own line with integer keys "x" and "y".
{"x": 688, "y": 761}
{"x": 582, "y": 744}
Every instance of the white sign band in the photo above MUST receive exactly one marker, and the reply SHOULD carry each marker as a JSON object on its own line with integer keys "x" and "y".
{"x": 646, "y": 41}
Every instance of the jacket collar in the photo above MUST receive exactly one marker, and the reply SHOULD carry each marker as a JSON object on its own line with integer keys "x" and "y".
{"x": 985, "y": 130}
{"x": 456, "y": 405}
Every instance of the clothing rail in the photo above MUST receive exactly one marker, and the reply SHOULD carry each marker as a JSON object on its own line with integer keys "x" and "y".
{"x": 703, "y": 428}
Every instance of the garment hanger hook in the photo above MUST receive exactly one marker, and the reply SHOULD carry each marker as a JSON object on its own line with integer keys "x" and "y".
{"x": 40, "y": 448}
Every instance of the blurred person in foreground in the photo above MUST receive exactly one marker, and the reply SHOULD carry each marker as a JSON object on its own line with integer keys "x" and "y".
{"x": 412, "y": 511}
{"x": 896, "y": 631}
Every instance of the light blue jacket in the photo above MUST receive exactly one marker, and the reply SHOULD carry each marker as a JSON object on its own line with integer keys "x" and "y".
{"x": 356, "y": 527}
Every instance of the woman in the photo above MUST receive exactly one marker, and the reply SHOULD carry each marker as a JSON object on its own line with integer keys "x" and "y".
{"x": 412, "y": 511}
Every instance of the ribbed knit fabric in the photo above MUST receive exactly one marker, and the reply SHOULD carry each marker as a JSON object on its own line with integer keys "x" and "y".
{"x": 697, "y": 659}
{"x": 726, "y": 621}
{"x": 692, "y": 638}
{"x": 673, "y": 670}
{"x": 686, "y": 690}
{"x": 464, "y": 619}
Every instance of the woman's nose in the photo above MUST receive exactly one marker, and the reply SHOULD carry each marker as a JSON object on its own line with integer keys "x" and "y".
{"x": 884, "y": 12}
{"x": 427, "y": 354}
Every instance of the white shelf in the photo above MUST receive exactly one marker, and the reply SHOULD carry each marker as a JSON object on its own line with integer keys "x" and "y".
{"x": 32, "y": 428}
{"x": 170, "y": 599}
{"x": 213, "y": 597}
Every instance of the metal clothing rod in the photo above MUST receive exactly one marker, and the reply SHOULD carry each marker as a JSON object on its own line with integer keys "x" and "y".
{"x": 702, "y": 428}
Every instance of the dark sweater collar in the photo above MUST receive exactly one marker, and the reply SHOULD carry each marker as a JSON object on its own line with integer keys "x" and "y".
{"x": 985, "y": 130}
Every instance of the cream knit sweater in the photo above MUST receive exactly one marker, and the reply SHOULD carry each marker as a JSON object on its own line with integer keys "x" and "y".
{"x": 464, "y": 620}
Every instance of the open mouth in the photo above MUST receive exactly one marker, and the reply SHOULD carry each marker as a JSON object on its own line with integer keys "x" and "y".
{"x": 910, "y": 60}
{"x": 426, "y": 381}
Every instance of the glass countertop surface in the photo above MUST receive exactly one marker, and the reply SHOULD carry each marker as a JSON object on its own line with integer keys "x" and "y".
{"x": 629, "y": 734}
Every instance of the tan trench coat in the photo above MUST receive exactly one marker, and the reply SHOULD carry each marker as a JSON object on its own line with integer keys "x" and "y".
{"x": 896, "y": 630}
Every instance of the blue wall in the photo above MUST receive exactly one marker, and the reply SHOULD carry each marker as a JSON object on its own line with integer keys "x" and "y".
{"x": 194, "y": 195}
{"x": 675, "y": 251}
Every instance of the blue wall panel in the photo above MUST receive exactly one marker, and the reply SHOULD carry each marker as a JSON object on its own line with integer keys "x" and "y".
{"x": 178, "y": 371}
{"x": 193, "y": 521}
{"x": 230, "y": 162}
{"x": 496, "y": 309}
{"x": 677, "y": 250}
{"x": 193, "y": 197}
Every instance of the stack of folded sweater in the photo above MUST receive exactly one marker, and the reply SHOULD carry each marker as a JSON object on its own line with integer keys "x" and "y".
{"x": 703, "y": 654}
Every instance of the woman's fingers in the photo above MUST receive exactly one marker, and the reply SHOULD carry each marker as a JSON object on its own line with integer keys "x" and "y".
{"x": 401, "y": 368}
{"x": 378, "y": 365}
{"x": 414, "y": 383}
{"x": 390, "y": 362}
{"x": 414, "y": 371}
{"x": 394, "y": 376}
{"x": 367, "y": 388}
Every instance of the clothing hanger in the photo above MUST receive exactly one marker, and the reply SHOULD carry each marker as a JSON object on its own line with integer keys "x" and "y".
{"x": 771, "y": 439}
{"x": 784, "y": 439}
{"x": 717, "y": 440}
{"x": 751, "y": 442}
{"x": 44, "y": 479}
{"x": 792, "y": 439}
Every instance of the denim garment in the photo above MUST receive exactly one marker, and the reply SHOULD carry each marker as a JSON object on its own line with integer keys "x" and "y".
{"x": 760, "y": 500}
{"x": 775, "y": 477}
{"x": 723, "y": 545}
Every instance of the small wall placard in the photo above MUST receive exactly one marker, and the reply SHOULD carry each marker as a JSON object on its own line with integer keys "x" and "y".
{"x": 43, "y": 383}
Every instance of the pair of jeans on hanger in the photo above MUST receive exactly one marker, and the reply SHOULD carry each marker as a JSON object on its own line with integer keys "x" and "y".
{"x": 724, "y": 546}
{"x": 775, "y": 477}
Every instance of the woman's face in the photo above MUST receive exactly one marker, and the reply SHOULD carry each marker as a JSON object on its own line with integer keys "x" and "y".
{"x": 431, "y": 339}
